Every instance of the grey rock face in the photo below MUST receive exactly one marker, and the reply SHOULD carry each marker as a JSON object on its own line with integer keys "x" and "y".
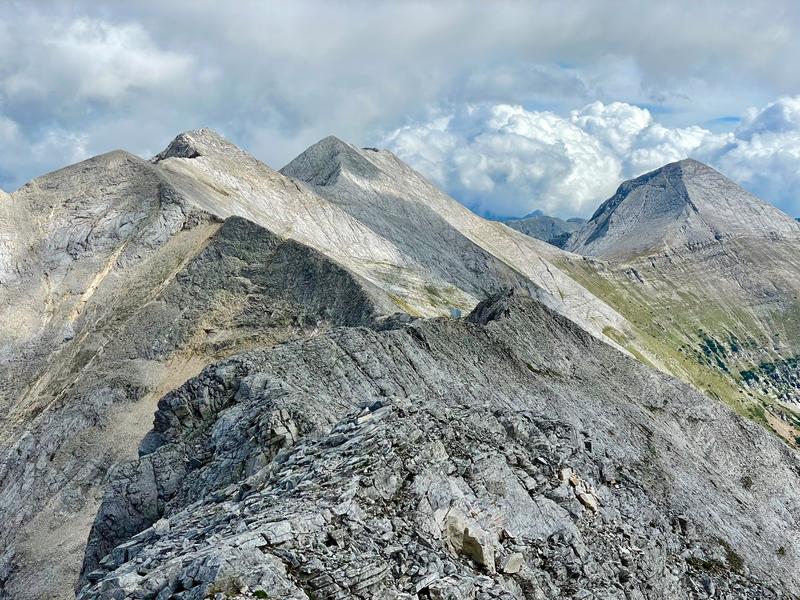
{"x": 508, "y": 455}
{"x": 115, "y": 290}
{"x": 552, "y": 230}
{"x": 683, "y": 204}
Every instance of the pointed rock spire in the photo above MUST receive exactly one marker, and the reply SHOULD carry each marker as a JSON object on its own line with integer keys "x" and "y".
{"x": 195, "y": 143}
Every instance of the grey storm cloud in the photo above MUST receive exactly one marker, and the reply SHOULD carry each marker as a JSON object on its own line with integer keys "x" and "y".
{"x": 80, "y": 78}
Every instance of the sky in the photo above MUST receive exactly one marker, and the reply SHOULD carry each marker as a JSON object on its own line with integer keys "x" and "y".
{"x": 508, "y": 106}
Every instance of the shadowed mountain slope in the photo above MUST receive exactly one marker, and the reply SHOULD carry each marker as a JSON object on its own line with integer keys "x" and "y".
{"x": 115, "y": 289}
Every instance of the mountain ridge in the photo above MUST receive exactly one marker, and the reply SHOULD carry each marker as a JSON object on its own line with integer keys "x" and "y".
{"x": 122, "y": 279}
{"x": 516, "y": 485}
{"x": 99, "y": 264}
{"x": 710, "y": 275}
{"x": 398, "y": 203}
{"x": 682, "y": 204}
{"x": 549, "y": 229}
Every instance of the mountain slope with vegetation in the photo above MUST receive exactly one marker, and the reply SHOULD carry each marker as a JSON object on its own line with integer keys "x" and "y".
{"x": 710, "y": 277}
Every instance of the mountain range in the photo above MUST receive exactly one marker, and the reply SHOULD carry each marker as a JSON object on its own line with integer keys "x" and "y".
{"x": 552, "y": 230}
{"x": 334, "y": 380}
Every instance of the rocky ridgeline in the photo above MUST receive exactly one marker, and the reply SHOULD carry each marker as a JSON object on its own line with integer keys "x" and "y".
{"x": 182, "y": 289}
{"x": 507, "y": 455}
{"x": 333, "y": 445}
{"x": 120, "y": 278}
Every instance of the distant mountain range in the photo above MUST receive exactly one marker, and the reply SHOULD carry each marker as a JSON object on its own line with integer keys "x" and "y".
{"x": 221, "y": 380}
{"x": 552, "y": 230}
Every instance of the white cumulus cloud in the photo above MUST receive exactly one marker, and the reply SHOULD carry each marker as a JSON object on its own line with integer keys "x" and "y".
{"x": 763, "y": 153}
{"x": 504, "y": 160}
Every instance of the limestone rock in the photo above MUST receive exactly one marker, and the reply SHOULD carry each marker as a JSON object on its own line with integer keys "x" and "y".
{"x": 312, "y": 434}
{"x": 512, "y": 563}
{"x": 426, "y": 495}
{"x": 589, "y": 501}
{"x": 437, "y": 233}
{"x": 478, "y": 545}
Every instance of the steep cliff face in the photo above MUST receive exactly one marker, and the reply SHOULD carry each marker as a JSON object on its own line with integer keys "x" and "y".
{"x": 508, "y": 455}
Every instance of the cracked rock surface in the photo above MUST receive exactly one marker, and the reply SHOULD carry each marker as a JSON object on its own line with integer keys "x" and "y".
{"x": 120, "y": 278}
{"x": 114, "y": 290}
{"x": 506, "y": 455}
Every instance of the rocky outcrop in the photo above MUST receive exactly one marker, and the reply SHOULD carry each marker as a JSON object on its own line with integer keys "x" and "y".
{"x": 508, "y": 455}
{"x": 120, "y": 278}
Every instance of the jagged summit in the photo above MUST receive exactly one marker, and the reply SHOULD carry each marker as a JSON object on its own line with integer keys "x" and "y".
{"x": 682, "y": 204}
{"x": 195, "y": 143}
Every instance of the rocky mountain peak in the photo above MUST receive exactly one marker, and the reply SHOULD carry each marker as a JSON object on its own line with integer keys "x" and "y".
{"x": 682, "y": 204}
{"x": 195, "y": 143}
{"x": 323, "y": 163}
{"x": 549, "y": 229}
